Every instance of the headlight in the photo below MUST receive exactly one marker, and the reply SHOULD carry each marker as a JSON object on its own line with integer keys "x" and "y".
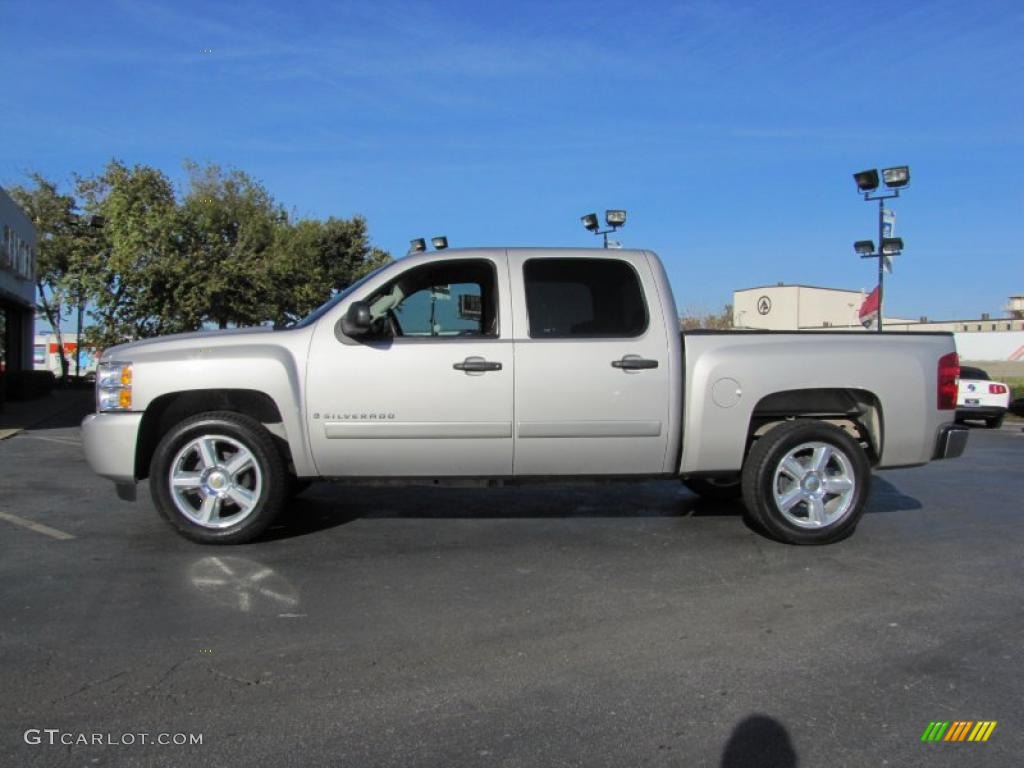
{"x": 114, "y": 386}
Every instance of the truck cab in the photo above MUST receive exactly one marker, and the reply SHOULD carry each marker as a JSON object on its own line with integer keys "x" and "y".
{"x": 522, "y": 363}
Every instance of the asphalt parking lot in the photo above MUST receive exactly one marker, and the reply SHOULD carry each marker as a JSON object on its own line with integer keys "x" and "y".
{"x": 603, "y": 626}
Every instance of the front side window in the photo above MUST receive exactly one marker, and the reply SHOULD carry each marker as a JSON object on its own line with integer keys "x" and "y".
{"x": 583, "y": 298}
{"x": 448, "y": 299}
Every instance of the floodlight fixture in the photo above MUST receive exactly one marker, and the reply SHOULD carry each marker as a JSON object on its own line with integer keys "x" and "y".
{"x": 892, "y": 246}
{"x": 615, "y": 218}
{"x": 866, "y": 180}
{"x": 590, "y": 222}
{"x": 897, "y": 176}
{"x": 417, "y": 245}
{"x": 440, "y": 242}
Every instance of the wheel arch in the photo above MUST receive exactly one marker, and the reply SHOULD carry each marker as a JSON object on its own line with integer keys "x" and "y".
{"x": 858, "y": 411}
{"x": 173, "y": 407}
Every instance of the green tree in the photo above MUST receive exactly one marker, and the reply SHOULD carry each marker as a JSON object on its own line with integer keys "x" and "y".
{"x": 230, "y": 223}
{"x": 314, "y": 259}
{"x": 136, "y": 263}
{"x": 57, "y": 258}
{"x": 226, "y": 253}
{"x": 694, "y": 319}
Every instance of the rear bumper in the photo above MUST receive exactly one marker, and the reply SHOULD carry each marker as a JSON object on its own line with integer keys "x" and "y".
{"x": 951, "y": 442}
{"x": 979, "y": 411}
{"x": 109, "y": 441}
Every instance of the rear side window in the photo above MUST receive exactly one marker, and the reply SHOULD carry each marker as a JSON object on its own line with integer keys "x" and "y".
{"x": 588, "y": 298}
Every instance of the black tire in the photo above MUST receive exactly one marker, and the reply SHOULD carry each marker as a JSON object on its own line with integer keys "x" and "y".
{"x": 760, "y": 476}
{"x": 266, "y": 481}
{"x": 995, "y": 422}
{"x": 716, "y": 488}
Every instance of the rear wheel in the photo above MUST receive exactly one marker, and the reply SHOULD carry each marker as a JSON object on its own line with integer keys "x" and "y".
{"x": 806, "y": 482}
{"x": 995, "y": 422}
{"x": 218, "y": 478}
{"x": 726, "y": 488}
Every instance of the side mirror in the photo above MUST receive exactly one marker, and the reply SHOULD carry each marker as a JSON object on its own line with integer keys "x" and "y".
{"x": 357, "y": 320}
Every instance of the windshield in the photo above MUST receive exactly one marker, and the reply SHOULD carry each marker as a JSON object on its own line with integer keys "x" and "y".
{"x": 332, "y": 302}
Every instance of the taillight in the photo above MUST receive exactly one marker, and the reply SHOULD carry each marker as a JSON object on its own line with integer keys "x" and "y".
{"x": 996, "y": 389}
{"x": 948, "y": 374}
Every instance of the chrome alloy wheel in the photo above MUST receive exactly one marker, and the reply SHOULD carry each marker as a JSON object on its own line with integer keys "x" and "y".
{"x": 215, "y": 481}
{"x": 814, "y": 485}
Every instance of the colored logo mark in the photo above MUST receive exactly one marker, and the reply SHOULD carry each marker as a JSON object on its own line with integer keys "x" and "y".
{"x": 959, "y": 730}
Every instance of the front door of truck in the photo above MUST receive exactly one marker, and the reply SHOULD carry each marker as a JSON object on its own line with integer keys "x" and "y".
{"x": 432, "y": 396}
{"x": 592, "y": 365}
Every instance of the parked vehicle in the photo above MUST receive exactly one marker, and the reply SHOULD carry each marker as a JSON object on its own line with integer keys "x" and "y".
{"x": 519, "y": 364}
{"x": 979, "y": 398}
{"x": 46, "y": 356}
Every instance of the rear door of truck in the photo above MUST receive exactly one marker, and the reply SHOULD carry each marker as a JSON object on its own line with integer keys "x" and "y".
{"x": 592, "y": 374}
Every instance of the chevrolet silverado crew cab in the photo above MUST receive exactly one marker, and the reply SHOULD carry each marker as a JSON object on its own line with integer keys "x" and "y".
{"x": 519, "y": 365}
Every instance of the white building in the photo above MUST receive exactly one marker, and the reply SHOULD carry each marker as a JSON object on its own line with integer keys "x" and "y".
{"x": 17, "y": 286}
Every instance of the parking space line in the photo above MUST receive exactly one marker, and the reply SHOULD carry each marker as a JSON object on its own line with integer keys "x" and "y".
{"x": 37, "y": 527}
{"x": 62, "y": 440}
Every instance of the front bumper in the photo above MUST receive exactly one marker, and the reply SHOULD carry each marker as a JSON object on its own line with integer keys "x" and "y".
{"x": 951, "y": 442}
{"x": 109, "y": 441}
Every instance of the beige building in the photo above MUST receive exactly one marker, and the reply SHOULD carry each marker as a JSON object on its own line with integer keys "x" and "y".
{"x": 784, "y": 307}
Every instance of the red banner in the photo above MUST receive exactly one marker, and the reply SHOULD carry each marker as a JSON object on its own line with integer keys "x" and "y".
{"x": 869, "y": 309}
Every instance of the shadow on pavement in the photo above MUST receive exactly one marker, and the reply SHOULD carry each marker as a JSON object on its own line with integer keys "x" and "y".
{"x": 759, "y": 741}
{"x": 60, "y": 409}
{"x": 886, "y": 497}
{"x": 326, "y": 505}
{"x": 304, "y": 516}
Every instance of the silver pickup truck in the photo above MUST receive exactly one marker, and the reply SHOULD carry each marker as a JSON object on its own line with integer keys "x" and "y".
{"x": 518, "y": 365}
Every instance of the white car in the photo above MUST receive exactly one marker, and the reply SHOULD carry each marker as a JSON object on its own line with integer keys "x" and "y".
{"x": 978, "y": 397}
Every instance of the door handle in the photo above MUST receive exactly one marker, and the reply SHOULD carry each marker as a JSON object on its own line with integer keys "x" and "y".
{"x": 634, "y": 363}
{"x": 476, "y": 365}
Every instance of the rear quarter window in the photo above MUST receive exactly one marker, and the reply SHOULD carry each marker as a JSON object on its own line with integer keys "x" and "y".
{"x": 584, "y": 298}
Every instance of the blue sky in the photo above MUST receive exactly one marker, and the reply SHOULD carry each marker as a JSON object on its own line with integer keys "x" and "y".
{"x": 729, "y": 130}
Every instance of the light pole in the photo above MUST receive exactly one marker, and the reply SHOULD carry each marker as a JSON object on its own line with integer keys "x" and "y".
{"x": 94, "y": 224}
{"x": 613, "y": 218}
{"x": 895, "y": 178}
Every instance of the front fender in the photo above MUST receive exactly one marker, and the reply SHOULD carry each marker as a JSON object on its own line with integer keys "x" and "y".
{"x": 267, "y": 368}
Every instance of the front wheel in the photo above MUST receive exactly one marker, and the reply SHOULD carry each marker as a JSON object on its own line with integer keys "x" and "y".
{"x": 218, "y": 478}
{"x": 806, "y": 482}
